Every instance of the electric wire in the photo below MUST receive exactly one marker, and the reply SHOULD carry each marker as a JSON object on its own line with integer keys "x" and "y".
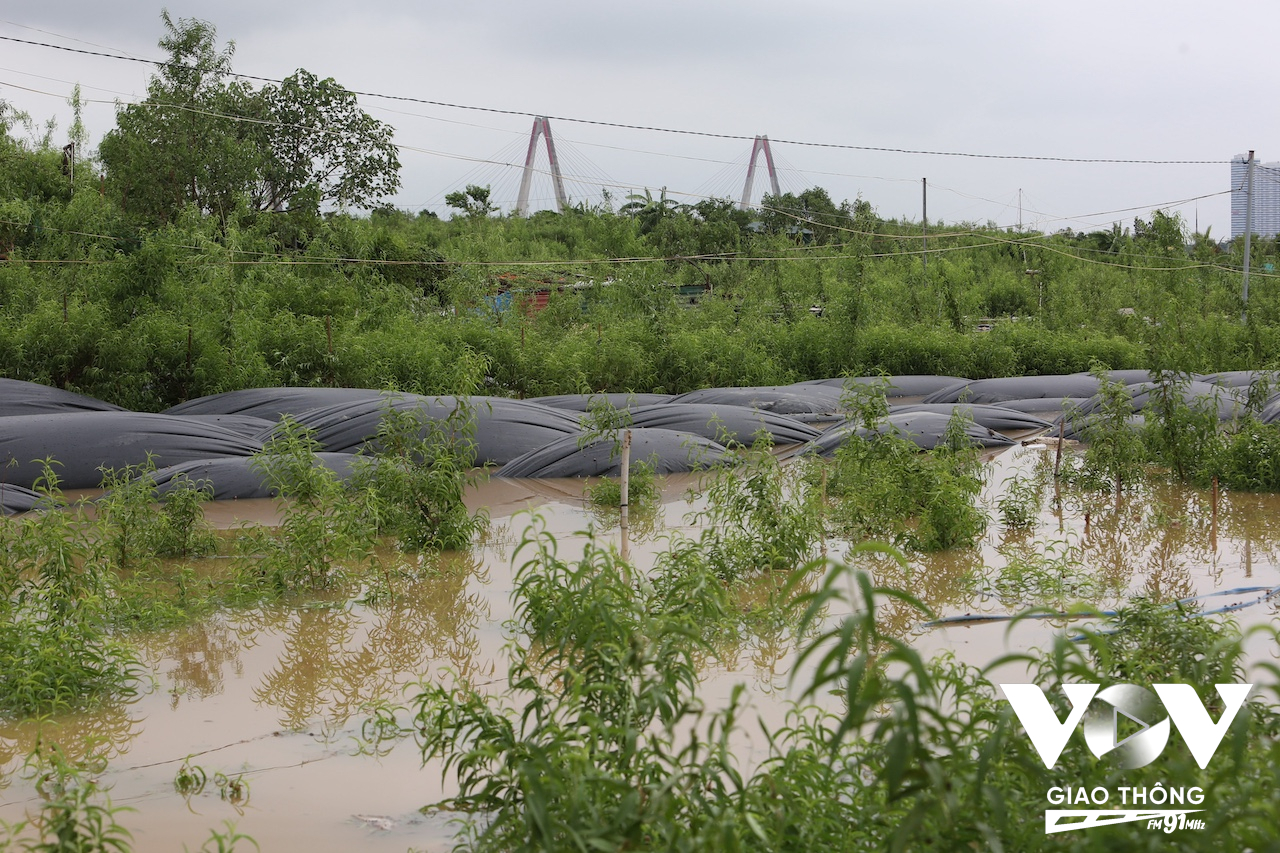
{"x": 658, "y": 129}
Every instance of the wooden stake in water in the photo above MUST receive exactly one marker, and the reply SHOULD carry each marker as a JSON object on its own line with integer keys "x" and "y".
{"x": 1213, "y": 531}
{"x": 1057, "y": 468}
{"x": 1057, "y": 458}
{"x": 625, "y": 489}
{"x": 822, "y": 509}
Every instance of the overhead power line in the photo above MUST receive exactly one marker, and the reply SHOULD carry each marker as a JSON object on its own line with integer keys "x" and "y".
{"x": 657, "y": 129}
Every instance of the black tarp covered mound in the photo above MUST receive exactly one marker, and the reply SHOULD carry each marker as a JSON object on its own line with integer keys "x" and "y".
{"x": 669, "y": 451}
{"x": 924, "y": 429}
{"x": 274, "y": 403}
{"x": 723, "y": 423}
{"x": 503, "y": 428}
{"x": 1241, "y": 378}
{"x": 1225, "y": 401}
{"x": 1016, "y": 388}
{"x": 802, "y": 402}
{"x": 582, "y": 402}
{"x": 909, "y": 385}
{"x": 246, "y": 425}
{"x": 1271, "y": 411}
{"x": 15, "y": 499}
{"x": 83, "y": 442}
{"x": 998, "y": 418}
{"x": 27, "y": 398}
{"x": 1045, "y": 404}
{"x": 1126, "y": 377}
{"x": 236, "y": 479}
{"x": 1077, "y": 425}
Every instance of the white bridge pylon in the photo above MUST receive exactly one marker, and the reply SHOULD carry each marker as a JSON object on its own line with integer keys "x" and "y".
{"x": 761, "y": 144}
{"x": 542, "y": 127}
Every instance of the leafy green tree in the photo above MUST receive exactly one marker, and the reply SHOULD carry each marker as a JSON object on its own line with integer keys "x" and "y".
{"x": 203, "y": 139}
{"x": 183, "y": 144}
{"x": 650, "y": 211}
{"x": 1165, "y": 234}
{"x": 473, "y": 201}
{"x": 809, "y": 215}
{"x": 321, "y": 140}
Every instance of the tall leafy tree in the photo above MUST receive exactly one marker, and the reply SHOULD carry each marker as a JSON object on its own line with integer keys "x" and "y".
{"x": 186, "y": 143}
{"x": 319, "y": 140}
{"x": 473, "y": 202}
{"x": 204, "y": 139}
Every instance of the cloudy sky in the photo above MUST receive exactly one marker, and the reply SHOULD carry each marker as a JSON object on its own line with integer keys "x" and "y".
{"x": 993, "y": 102}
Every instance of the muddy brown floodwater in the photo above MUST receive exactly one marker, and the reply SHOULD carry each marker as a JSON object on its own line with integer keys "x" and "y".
{"x": 278, "y": 695}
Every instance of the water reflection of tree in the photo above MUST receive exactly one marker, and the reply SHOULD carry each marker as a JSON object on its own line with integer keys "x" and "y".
{"x": 765, "y": 628}
{"x": 200, "y": 652}
{"x": 338, "y": 659}
{"x": 1252, "y": 521}
{"x": 88, "y": 738}
{"x": 939, "y": 581}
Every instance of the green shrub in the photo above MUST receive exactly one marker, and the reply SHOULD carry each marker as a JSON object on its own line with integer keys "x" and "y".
{"x": 57, "y": 652}
{"x": 413, "y": 484}
{"x": 323, "y": 532}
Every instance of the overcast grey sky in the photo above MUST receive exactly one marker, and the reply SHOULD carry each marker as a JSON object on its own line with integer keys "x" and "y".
{"x": 1131, "y": 80}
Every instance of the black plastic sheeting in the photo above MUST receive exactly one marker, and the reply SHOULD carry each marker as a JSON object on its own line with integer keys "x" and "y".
{"x": 926, "y": 430}
{"x": 908, "y": 385}
{"x": 1271, "y": 411}
{"x": 1044, "y": 404}
{"x": 16, "y": 499}
{"x": 246, "y": 425}
{"x": 236, "y": 479}
{"x": 1241, "y": 378}
{"x": 998, "y": 418}
{"x": 19, "y": 398}
{"x": 1016, "y": 388}
{"x": 723, "y": 423}
{"x": 83, "y": 442}
{"x": 807, "y": 403}
{"x": 1227, "y": 403}
{"x": 1078, "y": 425}
{"x": 670, "y": 452}
{"x": 503, "y": 428}
{"x": 274, "y": 403}
{"x": 582, "y": 402}
{"x": 1127, "y": 377}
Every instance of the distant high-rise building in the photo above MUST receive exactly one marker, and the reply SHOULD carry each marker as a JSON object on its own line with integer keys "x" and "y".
{"x": 1266, "y": 196}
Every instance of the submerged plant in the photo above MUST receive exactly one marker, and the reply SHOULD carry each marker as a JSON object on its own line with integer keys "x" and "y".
{"x": 603, "y": 679}
{"x": 136, "y": 525}
{"x": 76, "y": 814}
{"x": 1020, "y": 502}
{"x": 414, "y": 482}
{"x": 1179, "y": 435}
{"x": 1115, "y": 454}
{"x": 760, "y": 516}
{"x": 1249, "y": 458}
{"x": 57, "y": 651}
{"x": 884, "y": 487}
{"x": 602, "y": 741}
{"x": 643, "y": 490}
{"x": 322, "y": 532}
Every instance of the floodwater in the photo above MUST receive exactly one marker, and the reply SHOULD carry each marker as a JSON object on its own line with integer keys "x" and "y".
{"x": 277, "y": 696}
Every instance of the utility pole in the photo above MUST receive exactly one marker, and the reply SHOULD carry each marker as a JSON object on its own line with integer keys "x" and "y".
{"x": 1248, "y": 234}
{"x": 1024, "y": 245}
{"x": 924, "y": 225}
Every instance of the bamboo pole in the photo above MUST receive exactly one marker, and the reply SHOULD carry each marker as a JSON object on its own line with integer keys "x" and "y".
{"x": 626, "y": 494}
